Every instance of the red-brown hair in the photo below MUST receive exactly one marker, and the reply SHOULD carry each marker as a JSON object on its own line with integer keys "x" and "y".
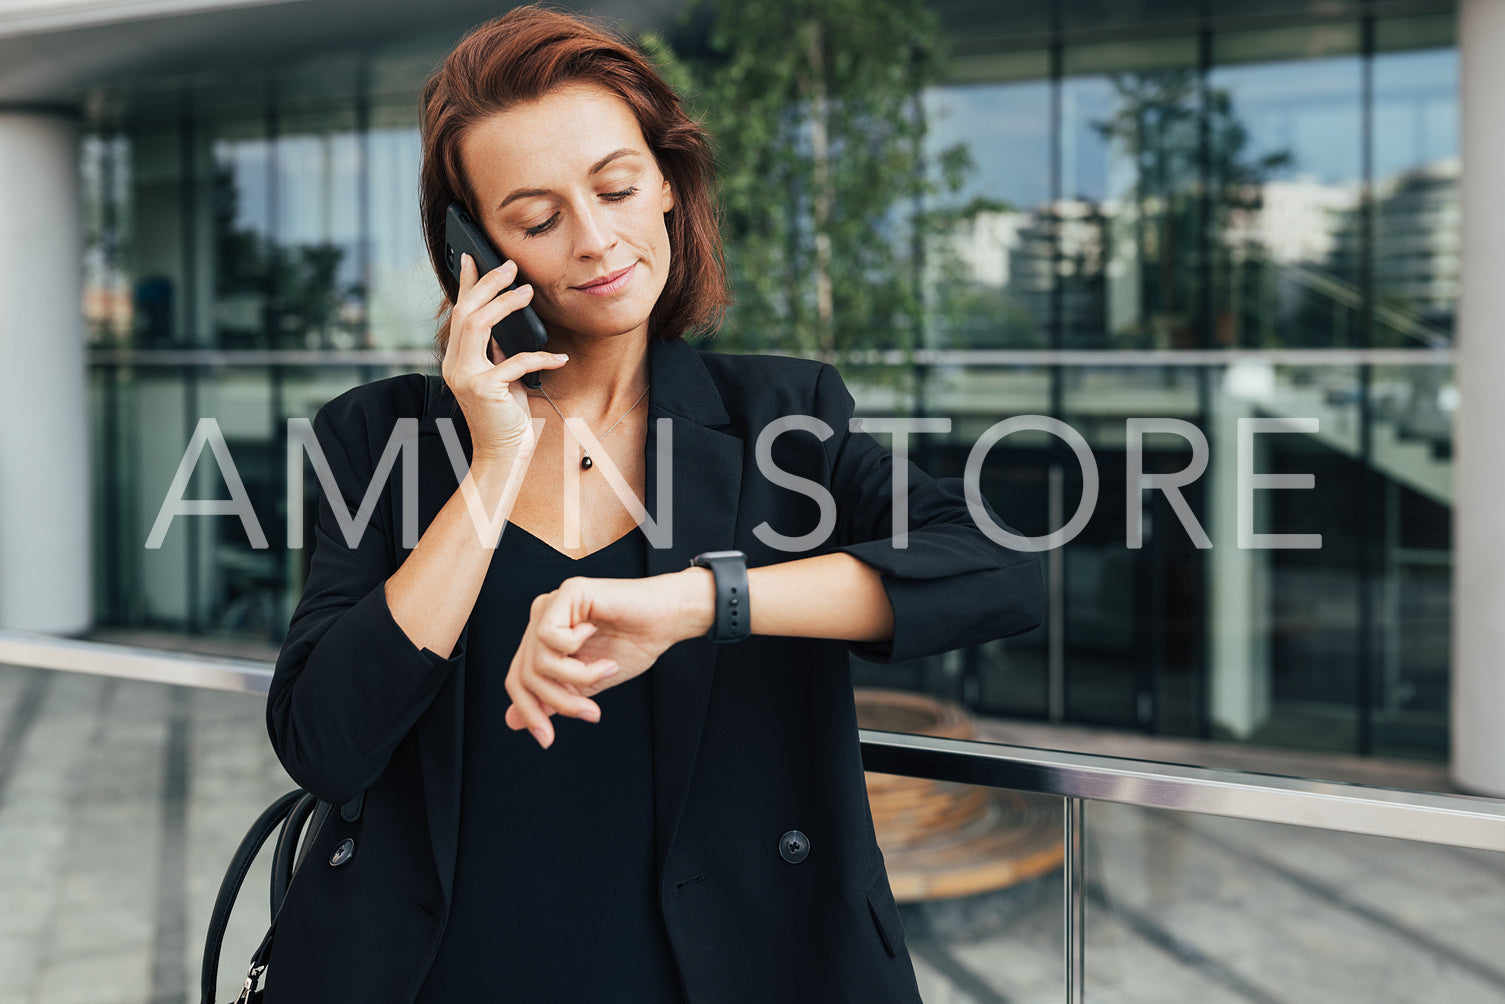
{"x": 525, "y": 54}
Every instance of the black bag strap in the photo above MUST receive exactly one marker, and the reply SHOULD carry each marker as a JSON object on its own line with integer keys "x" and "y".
{"x": 229, "y": 888}
{"x": 283, "y": 859}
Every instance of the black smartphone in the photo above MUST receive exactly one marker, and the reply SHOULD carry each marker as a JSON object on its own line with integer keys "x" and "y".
{"x": 519, "y": 331}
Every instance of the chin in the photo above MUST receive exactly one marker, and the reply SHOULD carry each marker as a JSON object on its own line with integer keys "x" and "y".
{"x": 608, "y": 321}
{"x": 611, "y": 324}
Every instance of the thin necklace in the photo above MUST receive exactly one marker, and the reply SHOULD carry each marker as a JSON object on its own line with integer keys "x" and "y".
{"x": 585, "y": 458}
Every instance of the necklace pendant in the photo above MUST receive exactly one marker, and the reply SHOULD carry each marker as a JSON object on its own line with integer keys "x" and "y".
{"x": 586, "y": 463}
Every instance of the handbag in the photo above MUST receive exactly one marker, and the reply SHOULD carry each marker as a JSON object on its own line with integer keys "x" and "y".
{"x": 290, "y": 814}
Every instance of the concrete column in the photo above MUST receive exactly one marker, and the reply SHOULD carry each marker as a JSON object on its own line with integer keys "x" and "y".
{"x": 45, "y": 501}
{"x": 1478, "y": 698}
{"x": 1239, "y": 701}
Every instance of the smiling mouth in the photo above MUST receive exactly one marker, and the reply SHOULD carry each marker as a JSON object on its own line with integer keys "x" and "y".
{"x": 608, "y": 284}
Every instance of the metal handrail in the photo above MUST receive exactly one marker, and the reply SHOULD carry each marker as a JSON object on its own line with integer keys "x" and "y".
{"x": 1431, "y": 817}
{"x": 130, "y": 662}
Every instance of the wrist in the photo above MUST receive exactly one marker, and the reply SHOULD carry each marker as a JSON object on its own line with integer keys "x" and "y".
{"x": 695, "y": 602}
{"x": 492, "y": 468}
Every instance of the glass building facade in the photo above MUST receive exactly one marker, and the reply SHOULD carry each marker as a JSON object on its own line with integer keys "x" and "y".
{"x": 1195, "y": 210}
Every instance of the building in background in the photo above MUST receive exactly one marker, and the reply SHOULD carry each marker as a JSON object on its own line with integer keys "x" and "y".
{"x": 1200, "y": 210}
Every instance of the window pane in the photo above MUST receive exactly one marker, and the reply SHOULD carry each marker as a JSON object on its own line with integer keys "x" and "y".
{"x": 1287, "y": 171}
{"x": 1128, "y": 220}
{"x": 1416, "y": 206}
{"x": 240, "y": 186}
{"x": 992, "y": 271}
{"x": 404, "y": 292}
{"x": 319, "y": 258}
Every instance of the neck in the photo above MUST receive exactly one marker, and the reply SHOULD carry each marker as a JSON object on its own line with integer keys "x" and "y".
{"x": 603, "y": 378}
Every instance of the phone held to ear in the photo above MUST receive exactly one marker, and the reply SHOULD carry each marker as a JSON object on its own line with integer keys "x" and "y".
{"x": 519, "y": 331}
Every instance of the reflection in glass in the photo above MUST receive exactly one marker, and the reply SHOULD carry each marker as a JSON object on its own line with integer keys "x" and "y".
{"x": 1288, "y": 173}
{"x": 996, "y": 293}
{"x": 241, "y": 197}
{"x": 1134, "y": 615}
{"x": 1128, "y": 219}
{"x": 320, "y": 251}
{"x": 403, "y": 294}
{"x": 154, "y": 209}
{"x": 1416, "y": 211}
{"x": 104, "y": 181}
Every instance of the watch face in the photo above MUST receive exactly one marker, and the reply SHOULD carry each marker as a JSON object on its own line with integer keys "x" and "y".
{"x": 713, "y": 555}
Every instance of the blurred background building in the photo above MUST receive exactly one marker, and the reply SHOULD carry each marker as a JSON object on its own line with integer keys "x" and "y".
{"x": 1194, "y": 209}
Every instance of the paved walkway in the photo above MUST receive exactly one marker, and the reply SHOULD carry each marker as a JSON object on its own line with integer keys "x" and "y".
{"x": 120, "y": 803}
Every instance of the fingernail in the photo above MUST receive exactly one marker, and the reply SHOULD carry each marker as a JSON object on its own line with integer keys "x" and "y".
{"x": 526, "y": 288}
{"x": 561, "y": 356}
{"x": 610, "y": 671}
{"x": 591, "y": 715}
{"x": 464, "y": 260}
{"x": 538, "y": 735}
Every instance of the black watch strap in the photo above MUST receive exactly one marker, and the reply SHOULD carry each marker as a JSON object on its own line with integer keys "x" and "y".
{"x": 729, "y": 569}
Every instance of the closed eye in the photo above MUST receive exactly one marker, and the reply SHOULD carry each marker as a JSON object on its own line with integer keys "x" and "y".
{"x": 543, "y": 227}
{"x": 552, "y": 221}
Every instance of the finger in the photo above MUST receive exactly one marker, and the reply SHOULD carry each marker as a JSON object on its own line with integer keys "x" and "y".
{"x": 512, "y": 368}
{"x": 533, "y": 716}
{"x": 467, "y": 274}
{"x": 603, "y": 670}
{"x": 570, "y": 672}
{"x": 513, "y": 717}
{"x": 452, "y": 346}
{"x": 544, "y": 686}
{"x": 474, "y": 318}
{"x": 484, "y": 288}
{"x": 562, "y": 638}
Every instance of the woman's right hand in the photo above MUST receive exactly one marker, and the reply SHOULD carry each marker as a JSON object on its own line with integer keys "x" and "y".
{"x": 491, "y": 394}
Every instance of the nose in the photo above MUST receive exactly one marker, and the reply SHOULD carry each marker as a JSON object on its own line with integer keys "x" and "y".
{"x": 596, "y": 238}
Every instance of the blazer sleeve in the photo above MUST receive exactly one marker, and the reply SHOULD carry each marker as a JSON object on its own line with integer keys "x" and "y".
{"x": 951, "y": 586}
{"x": 349, "y": 684}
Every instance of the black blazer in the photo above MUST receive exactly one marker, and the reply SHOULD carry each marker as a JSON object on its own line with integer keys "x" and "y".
{"x": 750, "y": 740}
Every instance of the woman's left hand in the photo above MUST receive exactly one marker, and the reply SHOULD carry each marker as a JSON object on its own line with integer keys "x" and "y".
{"x": 591, "y": 634}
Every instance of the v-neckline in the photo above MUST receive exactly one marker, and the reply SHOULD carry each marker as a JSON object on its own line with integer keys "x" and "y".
{"x": 554, "y": 550}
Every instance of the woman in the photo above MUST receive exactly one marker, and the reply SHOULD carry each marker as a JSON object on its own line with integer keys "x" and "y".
{"x": 662, "y": 818}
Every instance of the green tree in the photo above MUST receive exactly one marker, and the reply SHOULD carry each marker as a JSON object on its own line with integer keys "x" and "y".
{"x": 815, "y": 108}
{"x": 1158, "y": 125}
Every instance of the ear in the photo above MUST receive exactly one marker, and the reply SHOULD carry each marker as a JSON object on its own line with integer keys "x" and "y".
{"x": 668, "y": 196}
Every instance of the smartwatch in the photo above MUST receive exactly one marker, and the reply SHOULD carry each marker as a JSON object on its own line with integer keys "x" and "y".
{"x": 729, "y": 569}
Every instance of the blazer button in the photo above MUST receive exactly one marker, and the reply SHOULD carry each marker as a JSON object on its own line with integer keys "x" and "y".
{"x": 343, "y": 852}
{"x": 794, "y": 846}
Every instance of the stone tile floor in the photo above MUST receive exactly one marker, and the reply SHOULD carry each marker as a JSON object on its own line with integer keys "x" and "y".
{"x": 120, "y": 803}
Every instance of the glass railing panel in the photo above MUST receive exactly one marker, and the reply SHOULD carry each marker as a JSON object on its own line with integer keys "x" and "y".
{"x": 121, "y": 803}
{"x": 977, "y": 875}
{"x": 1189, "y": 907}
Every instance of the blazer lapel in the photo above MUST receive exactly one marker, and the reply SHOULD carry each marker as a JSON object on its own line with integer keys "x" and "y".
{"x": 704, "y": 489}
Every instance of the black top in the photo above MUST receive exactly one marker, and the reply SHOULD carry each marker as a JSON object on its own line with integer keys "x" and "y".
{"x": 548, "y": 835}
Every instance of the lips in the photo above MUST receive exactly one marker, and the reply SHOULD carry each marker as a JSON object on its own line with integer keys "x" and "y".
{"x": 608, "y": 284}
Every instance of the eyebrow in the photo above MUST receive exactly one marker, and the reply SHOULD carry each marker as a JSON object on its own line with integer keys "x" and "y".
{"x": 528, "y": 193}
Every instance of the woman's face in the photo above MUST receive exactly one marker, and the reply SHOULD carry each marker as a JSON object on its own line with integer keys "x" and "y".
{"x": 566, "y": 187}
